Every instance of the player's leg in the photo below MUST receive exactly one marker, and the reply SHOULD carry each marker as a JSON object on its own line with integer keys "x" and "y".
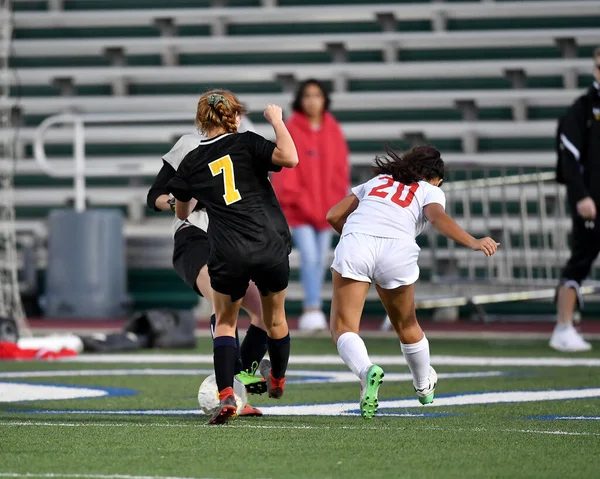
{"x": 400, "y": 306}
{"x": 347, "y": 304}
{"x": 253, "y": 348}
{"x": 584, "y": 250}
{"x": 254, "y": 345}
{"x": 272, "y": 283}
{"x": 225, "y": 353}
{"x": 352, "y": 268}
{"x": 278, "y": 343}
{"x": 229, "y": 283}
{"x": 190, "y": 255}
{"x": 255, "y": 342}
{"x": 204, "y": 288}
{"x": 346, "y": 309}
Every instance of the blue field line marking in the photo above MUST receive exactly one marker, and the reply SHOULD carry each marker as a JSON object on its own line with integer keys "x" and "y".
{"x": 565, "y": 418}
{"x": 109, "y": 390}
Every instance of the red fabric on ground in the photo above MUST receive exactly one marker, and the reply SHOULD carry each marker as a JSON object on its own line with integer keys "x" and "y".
{"x": 10, "y": 350}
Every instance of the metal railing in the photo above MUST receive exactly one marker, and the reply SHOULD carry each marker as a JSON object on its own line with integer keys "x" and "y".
{"x": 527, "y": 214}
{"x": 79, "y": 172}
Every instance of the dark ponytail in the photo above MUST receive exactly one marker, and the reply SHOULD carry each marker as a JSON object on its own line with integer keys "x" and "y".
{"x": 421, "y": 163}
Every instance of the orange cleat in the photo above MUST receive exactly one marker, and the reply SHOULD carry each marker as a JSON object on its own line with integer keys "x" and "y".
{"x": 274, "y": 386}
{"x": 227, "y": 408}
{"x": 250, "y": 411}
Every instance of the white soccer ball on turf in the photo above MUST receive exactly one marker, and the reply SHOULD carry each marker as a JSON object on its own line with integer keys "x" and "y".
{"x": 208, "y": 395}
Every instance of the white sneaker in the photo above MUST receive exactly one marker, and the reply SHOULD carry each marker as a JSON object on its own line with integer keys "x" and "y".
{"x": 426, "y": 395}
{"x": 567, "y": 340}
{"x": 313, "y": 321}
{"x": 386, "y": 325}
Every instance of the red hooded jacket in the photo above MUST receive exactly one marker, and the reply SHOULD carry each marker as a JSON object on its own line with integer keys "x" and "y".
{"x": 322, "y": 176}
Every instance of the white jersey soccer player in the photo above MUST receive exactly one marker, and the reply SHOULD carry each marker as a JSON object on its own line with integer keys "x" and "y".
{"x": 379, "y": 223}
{"x": 379, "y": 236}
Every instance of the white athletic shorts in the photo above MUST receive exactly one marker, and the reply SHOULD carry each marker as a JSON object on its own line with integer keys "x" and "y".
{"x": 388, "y": 262}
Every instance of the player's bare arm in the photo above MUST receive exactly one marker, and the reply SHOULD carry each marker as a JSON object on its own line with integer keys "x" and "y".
{"x": 435, "y": 214}
{"x": 184, "y": 209}
{"x": 338, "y": 215}
{"x": 285, "y": 154}
{"x": 162, "y": 203}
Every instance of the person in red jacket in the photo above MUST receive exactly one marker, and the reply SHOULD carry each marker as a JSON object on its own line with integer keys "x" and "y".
{"x": 307, "y": 192}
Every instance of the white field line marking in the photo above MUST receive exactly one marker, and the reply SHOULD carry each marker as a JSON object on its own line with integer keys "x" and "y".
{"x": 307, "y": 428}
{"x": 11, "y": 392}
{"x": 304, "y": 376}
{"x": 382, "y": 360}
{"x": 340, "y": 409}
{"x": 578, "y": 418}
{"x": 554, "y": 433}
{"x": 350, "y": 409}
{"x": 87, "y": 476}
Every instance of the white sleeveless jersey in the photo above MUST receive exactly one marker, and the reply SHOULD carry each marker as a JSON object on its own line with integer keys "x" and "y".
{"x": 390, "y": 209}
{"x": 175, "y": 156}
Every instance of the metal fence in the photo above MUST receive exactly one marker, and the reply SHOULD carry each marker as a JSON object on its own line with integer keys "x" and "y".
{"x": 526, "y": 212}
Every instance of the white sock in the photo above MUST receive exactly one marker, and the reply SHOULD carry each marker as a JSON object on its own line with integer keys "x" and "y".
{"x": 562, "y": 327}
{"x": 353, "y": 351}
{"x": 417, "y": 358}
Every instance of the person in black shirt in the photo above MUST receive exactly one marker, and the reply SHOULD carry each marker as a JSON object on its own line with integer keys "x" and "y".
{"x": 249, "y": 239}
{"x": 579, "y": 169}
{"x": 190, "y": 255}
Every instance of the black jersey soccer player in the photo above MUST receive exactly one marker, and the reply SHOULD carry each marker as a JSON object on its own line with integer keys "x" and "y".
{"x": 249, "y": 239}
{"x": 190, "y": 254}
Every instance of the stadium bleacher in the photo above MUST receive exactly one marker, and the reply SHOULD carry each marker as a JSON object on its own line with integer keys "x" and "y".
{"x": 482, "y": 80}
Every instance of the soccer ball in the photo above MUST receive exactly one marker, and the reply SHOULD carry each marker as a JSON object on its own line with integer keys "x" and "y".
{"x": 208, "y": 395}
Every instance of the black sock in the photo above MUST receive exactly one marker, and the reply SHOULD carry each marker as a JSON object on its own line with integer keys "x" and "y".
{"x": 254, "y": 347}
{"x": 279, "y": 351}
{"x": 213, "y": 325}
{"x": 225, "y": 357}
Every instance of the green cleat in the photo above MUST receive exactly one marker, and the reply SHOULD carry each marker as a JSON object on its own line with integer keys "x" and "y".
{"x": 368, "y": 393}
{"x": 426, "y": 395}
{"x": 254, "y": 384}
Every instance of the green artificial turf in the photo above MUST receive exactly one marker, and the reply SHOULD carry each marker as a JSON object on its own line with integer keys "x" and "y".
{"x": 518, "y": 439}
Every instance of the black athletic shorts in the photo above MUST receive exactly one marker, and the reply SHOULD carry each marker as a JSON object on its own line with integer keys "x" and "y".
{"x": 190, "y": 254}
{"x": 233, "y": 281}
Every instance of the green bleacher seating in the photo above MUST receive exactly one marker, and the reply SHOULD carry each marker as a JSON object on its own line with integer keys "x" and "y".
{"x": 504, "y": 70}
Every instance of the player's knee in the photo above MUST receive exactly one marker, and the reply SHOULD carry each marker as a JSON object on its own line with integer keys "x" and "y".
{"x": 275, "y": 321}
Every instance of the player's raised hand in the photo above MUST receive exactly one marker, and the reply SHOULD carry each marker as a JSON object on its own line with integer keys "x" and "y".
{"x": 273, "y": 114}
{"x": 586, "y": 208}
{"x": 487, "y": 245}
